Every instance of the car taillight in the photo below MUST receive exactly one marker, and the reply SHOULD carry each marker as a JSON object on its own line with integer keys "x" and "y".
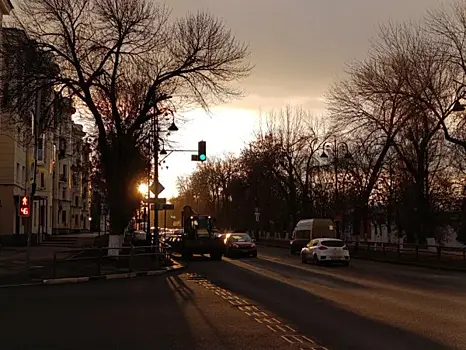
{"x": 322, "y": 247}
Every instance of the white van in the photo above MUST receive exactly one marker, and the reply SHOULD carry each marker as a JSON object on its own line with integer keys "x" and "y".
{"x": 308, "y": 229}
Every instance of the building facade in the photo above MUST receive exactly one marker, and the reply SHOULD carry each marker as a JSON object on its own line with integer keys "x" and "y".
{"x": 56, "y": 160}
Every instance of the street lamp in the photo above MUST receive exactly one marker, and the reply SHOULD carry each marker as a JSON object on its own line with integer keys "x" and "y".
{"x": 336, "y": 147}
{"x": 156, "y": 138}
{"x": 458, "y": 107}
{"x": 163, "y": 151}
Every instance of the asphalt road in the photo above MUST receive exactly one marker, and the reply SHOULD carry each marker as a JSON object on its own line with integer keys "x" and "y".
{"x": 366, "y": 306}
{"x": 142, "y": 313}
{"x": 273, "y": 302}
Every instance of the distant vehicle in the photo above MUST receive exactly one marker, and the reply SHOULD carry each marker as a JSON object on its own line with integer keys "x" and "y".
{"x": 309, "y": 229}
{"x": 199, "y": 236}
{"x": 321, "y": 250}
{"x": 139, "y": 236}
{"x": 240, "y": 244}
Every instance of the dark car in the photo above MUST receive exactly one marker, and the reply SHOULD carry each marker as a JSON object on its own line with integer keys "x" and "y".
{"x": 240, "y": 244}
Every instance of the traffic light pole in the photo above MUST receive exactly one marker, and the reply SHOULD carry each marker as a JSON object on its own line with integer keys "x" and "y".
{"x": 156, "y": 182}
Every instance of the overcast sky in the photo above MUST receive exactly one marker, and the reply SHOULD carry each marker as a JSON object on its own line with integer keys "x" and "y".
{"x": 299, "y": 47}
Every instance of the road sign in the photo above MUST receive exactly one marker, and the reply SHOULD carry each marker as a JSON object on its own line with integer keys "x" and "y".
{"x": 162, "y": 206}
{"x": 24, "y": 207}
{"x": 157, "y": 191}
{"x": 258, "y": 215}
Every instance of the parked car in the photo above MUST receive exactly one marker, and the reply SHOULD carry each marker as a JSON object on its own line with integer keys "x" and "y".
{"x": 240, "y": 244}
{"x": 330, "y": 250}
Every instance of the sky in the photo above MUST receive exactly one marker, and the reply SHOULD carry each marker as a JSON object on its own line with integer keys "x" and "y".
{"x": 298, "y": 47}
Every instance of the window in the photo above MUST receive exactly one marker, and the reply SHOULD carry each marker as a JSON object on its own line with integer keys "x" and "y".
{"x": 35, "y": 214}
{"x": 303, "y": 234}
{"x": 240, "y": 238}
{"x": 62, "y": 145}
{"x": 40, "y": 149}
{"x": 76, "y": 218}
{"x": 65, "y": 170}
{"x": 64, "y": 194}
{"x": 333, "y": 243}
{"x": 63, "y": 216}
{"x": 76, "y": 200}
{"x": 17, "y": 173}
{"x": 23, "y": 174}
{"x": 42, "y": 180}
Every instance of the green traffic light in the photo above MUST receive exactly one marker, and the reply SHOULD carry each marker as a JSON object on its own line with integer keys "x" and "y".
{"x": 202, "y": 157}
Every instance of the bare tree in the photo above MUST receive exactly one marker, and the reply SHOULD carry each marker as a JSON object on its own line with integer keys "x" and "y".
{"x": 128, "y": 62}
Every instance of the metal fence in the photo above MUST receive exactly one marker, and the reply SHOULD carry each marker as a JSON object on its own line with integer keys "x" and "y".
{"x": 97, "y": 261}
{"x": 406, "y": 252}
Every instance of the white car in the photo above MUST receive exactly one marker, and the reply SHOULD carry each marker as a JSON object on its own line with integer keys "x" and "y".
{"x": 325, "y": 250}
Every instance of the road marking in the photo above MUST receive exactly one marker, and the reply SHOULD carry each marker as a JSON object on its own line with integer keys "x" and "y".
{"x": 273, "y": 324}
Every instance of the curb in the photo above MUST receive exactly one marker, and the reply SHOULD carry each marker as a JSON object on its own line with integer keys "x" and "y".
{"x": 393, "y": 262}
{"x": 70, "y": 280}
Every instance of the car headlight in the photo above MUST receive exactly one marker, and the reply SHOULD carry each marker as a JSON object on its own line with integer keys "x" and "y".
{"x": 235, "y": 246}
{"x": 253, "y": 245}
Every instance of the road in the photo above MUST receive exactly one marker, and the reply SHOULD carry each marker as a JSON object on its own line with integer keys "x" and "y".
{"x": 272, "y": 302}
{"x": 366, "y": 306}
{"x": 173, "y": 312}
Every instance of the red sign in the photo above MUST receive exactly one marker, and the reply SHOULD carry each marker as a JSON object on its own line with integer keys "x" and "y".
{"x": 24, "y": 208}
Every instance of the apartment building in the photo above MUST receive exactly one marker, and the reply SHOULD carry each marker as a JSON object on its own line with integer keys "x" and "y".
{"x": 58, "y": 161}
{"x": 71, "y": 180}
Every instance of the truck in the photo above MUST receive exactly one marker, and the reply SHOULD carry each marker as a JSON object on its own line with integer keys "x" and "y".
{"x": 198, "y": 236}
{"x": 308, "y": 229}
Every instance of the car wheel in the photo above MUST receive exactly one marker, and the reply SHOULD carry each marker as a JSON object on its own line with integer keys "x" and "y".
{"x": 346, "y": 263}
{"x": 303, "y": 259}
{"x": 254, "y": 255}
{"x": 186, "y": 255}
{"x": 316, "y": 259}
{"x": 216, "y": 256}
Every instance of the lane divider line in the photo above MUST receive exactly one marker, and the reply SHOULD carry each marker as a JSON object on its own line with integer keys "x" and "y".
{"x": 273, "y": 324}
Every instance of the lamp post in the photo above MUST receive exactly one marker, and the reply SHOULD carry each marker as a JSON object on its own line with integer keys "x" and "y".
{"x": 335, "y": 148}
{"x": 156, "y": 130}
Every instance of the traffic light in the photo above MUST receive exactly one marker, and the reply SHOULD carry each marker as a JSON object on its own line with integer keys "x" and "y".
{"x": 201, "y": 151}
{"x": 24, "y": 207}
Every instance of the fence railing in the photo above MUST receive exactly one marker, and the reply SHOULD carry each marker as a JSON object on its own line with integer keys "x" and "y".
{"x": 97, "y": 261}
{"x": 422, "y": 253}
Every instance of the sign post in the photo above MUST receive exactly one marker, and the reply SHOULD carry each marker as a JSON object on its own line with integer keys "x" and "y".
{"x": 257, "y": 215}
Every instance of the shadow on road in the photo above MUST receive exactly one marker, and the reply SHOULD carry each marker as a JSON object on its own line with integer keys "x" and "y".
{"x": 325, "y": 321}
{"x": 294, "y": 272}
{"x": 98, "y": 315}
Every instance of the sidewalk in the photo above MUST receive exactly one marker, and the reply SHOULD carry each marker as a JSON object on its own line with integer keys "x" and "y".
{"x": 13, "y": 260}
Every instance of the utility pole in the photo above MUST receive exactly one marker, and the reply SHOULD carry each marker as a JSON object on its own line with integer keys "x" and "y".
{"x": 35, "y": 134}
{"x": 156, "y": 180}
{"x": 148, "y": 233}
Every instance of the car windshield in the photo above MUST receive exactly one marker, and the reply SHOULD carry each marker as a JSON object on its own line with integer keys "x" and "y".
{"x": 240, "y": 238}
{"x": 333, "y": 243}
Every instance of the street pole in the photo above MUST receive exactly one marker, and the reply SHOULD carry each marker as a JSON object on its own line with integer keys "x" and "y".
{"x": 33, "y": 186}
{"x": 148, "y": 233}
{"x": 156, "y": 180}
